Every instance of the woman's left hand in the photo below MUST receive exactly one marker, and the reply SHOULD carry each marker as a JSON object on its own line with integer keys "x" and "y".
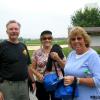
{"x": 68, "y": 80}
{"x": 54, "y": 56}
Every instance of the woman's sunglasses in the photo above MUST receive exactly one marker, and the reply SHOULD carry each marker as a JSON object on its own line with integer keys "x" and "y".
{"x": 47, "y": 38}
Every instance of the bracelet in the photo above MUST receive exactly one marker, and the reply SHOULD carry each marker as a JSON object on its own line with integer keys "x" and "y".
{"x": 78, "y": 80}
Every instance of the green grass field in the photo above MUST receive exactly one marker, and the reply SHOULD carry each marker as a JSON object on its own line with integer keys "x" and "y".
{"x": 36, "y": 42}
{"x": 60, "y": 41}
{"x": 65, "y": 50}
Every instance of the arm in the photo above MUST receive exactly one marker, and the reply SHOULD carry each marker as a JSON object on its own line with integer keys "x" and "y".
{"x": 31, "y": 80}
{"x": 31, "y": 75}
{"x": 86, "y": 81}
{"x": 94, "y": 68}
{"x": 35, "y": 72}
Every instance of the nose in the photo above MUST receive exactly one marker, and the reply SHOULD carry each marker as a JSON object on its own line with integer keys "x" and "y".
{"x": 13, "y": 30}
{"x": 76, "y": 40}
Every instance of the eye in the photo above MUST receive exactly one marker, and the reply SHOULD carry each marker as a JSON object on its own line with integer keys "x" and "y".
{"x": 16, "y": 29}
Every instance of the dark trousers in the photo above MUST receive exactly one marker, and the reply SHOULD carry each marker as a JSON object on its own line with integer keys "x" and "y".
{"x": 41, "y": 93}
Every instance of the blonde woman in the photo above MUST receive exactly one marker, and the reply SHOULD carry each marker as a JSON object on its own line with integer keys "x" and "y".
{"x": 84, "y": 64}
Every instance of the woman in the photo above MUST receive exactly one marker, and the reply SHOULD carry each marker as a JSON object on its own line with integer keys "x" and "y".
{"x": 39, "y": 61}
{"x": 84, "y": 64}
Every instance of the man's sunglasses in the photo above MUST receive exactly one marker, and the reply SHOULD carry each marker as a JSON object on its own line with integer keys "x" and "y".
{"x": 47, "y": 38}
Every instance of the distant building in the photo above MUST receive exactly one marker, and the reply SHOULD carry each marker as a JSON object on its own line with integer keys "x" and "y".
{"x": 92, "y": 5}
{"x": 94, "y": 33}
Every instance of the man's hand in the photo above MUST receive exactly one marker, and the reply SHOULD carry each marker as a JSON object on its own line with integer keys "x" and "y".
{"x": 1, "y": 96}
{"x": 33, "y": 86}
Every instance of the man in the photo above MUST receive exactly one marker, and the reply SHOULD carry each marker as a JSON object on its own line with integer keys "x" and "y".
{"x": 14, "y": 61}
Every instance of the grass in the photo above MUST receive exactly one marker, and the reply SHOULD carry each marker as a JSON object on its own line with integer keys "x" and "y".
{"x": 65, "y": 51}
{"x": 36, "y": 42}
{"x": 60, "y": 41}
{"x": 31, "y": 52}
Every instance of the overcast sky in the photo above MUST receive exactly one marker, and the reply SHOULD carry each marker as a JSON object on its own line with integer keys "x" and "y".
{"x": 36, "y": 16}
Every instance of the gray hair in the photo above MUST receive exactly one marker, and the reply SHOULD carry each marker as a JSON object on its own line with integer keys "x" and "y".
{"x": 13, "y": 21}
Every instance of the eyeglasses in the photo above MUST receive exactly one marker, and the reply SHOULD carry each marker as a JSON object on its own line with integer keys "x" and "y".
{"x": 78, "y": 38}
{"x": 47, "y": 38}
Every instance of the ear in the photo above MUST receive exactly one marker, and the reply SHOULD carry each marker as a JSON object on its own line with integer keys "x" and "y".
{"x": 6, "y": 31}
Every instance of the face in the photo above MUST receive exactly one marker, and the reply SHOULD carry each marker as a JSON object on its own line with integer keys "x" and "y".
{"x": 13, "y": 31}
{"x": 78, "y": 44}
{"x": 46, "y": 40}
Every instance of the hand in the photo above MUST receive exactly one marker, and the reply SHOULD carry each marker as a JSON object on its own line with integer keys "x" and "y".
{"x": 40, "y": 77}
{"x": 1, "y": 96}
{"x": 33, "y": 86}
{"x": 54, "y": 56}
{"x": 68, "y": 80}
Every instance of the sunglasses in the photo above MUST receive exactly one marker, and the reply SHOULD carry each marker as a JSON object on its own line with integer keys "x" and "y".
{"x": 78, "y": 38}
{"x": 47, "y": 38}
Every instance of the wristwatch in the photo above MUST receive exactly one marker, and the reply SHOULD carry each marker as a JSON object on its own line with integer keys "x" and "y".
{"x": 78, "y": 80}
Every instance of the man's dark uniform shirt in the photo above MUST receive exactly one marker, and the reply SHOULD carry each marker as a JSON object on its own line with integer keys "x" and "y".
{"x": 14, "y": 61}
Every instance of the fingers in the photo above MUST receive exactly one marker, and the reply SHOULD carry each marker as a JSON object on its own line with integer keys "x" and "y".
{"x": 1, "y": 96}
{"x": 54, "y": 55}
{"x": 68, "y": 80}
{"x": 41, "y": 77}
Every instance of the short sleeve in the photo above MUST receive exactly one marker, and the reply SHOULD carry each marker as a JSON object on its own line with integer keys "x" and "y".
{"x": 33, "y": 56}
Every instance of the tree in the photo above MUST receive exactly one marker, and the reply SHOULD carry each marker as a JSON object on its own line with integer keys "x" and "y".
{"x": 89, "y": 17}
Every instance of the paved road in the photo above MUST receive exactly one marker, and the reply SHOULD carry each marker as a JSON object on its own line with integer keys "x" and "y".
{"x": 37, "y": 47}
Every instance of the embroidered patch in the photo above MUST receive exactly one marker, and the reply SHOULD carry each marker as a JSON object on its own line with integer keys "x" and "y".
{"x": 25, "y": 52}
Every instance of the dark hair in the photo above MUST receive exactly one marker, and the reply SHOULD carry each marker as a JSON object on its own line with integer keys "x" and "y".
{"x": 46, "y": 32}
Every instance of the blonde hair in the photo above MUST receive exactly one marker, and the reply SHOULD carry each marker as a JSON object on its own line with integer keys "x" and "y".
{"x": 79, "y": 31}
